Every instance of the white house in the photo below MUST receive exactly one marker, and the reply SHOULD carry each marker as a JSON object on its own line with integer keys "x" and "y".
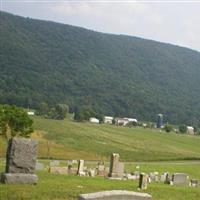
{"x": 124, "y": 121}
{"x": 131, "y": 120}
{"x": 108, "y": 120}
{"x": 94, "y": 120}
{"x": 121, "y": 121}
{"x": 190, "y": 130}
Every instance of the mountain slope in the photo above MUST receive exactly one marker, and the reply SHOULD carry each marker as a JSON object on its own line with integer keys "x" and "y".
{"x": 114, "y": 74}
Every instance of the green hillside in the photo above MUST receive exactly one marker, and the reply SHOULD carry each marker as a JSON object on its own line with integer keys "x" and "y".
{"x": 118, "y": 75}
{"x": 72, "y": 140}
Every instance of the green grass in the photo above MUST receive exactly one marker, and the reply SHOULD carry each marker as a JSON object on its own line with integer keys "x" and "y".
{"x": 68, "y": 187}
{"x": 70, "y": 140}
{"x": 93, "y": 142}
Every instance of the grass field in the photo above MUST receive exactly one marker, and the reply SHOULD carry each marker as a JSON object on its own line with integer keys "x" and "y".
{"x": 65, "y": 139}
{"x": 68, "y": 187}
{"x": 93, "y": 142}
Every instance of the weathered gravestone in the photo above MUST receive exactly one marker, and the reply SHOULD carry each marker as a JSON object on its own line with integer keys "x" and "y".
{"x": 115, "y": 195}
{"x": 154, "y": 176}
{"x": 58, "y": 170}
{"x": 39, "y": 166}
{"x": 81, "y": 168}
{"x": 168, "y": 178}
{"x": 21, "y": 161}
{"x": 92, "y": 172}
{"x": 143, "y": 181}
{"x": 101, "y": 170}
{"x": 116, "y": 167}
{"x": 131, "y": 177}
{"x": 163, "y": 177}
{"x": 180, "y": 179}
{"x": 194, "y": 183}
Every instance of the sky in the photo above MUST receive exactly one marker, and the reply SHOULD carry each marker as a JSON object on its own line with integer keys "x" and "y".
{"x": 176, "y": 22}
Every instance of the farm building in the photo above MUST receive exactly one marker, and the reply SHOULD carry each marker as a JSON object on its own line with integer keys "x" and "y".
{"x": 190, "y": 130}
{"x": 124, "y": 121}
{"x": 108, "y": 120}
{"x": 94, "y": 120}
{"x": 131, "y": 120}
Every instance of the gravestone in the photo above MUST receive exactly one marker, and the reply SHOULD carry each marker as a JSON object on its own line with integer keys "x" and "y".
{"x": 180, "y": 179}
{"x": 116, "y": 167}
{"x": 80, "y": 167}
{"x": 100, "y": 166}
{"x": 154, "y": 176}
{"x": 131, "y": 177}
{"x": 163, "y": 177}
{"x": 58, "y": 170}
{"x": 101, "y": 170}
{"x": 92, "y": 172}
{"x": 116, "y": 195}
{"x": 20, "y": 161}
{"x": 39, "y": 166}
{"x": 114, "y": 162}
{"x": 54, "y": 163}
{"x": 168, "y": 178}
{"x": 143, "y": 181}
{"x": 194, "y": 183}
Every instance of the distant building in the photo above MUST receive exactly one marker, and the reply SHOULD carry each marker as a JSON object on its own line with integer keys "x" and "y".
{"x": 190, "y": 130}
{"x": 94, "y": 120}
{"x": 131, "y": 120}
{"x": 31, "y": 113}
{"x": 124, "y": 121}
{"x": 159, "y": 123}
{"x": 121, "y": 121}
{"x": 108, "y": 120}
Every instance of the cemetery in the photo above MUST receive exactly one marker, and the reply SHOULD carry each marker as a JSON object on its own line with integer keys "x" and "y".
{"x": 21, "y": 165}
{"x": 118, "y": 176}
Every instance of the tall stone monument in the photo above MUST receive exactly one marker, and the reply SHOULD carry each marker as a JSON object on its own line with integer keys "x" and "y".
{"x": 80, "y": 167}
{"x": 143, "y": 181}
{"x": 20, "y": 161}
{"x": 116, "y": 167}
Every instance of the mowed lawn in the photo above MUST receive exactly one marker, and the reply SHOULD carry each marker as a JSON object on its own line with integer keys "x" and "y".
{"x": 68, "y": 187}
{"x": 150, "y": 149}
{"x": 72, "y": 140}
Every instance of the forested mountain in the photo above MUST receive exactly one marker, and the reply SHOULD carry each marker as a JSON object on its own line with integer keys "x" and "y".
{"x": 42, "y": 61}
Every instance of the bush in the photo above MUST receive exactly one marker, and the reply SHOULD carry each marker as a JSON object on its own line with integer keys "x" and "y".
{"x": 182, "y": 128}
{"x": 168, "y": 128}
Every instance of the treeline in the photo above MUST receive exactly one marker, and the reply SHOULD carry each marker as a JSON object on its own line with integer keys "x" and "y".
{"x": 59, "y": 111}
{"x": 181, "y": 129}
{"x": 113, "y": 75}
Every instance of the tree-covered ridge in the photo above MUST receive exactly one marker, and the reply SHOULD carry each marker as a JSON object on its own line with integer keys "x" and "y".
{"x": 113, "y": 74}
